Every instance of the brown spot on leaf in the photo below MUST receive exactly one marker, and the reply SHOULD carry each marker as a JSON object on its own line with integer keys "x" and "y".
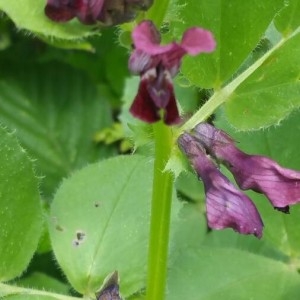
{"x": 76, "y": 243}
{"x": 80, "y": 235}
{"x": 59, "y": 228}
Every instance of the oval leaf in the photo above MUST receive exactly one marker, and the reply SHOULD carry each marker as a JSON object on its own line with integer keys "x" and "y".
{"x": 99, "y": 223}
{"x": 20, "y": 214}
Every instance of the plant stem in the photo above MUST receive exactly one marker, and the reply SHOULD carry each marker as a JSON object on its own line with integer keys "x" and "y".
{"x": 161, "y": 193}
{"x": 6, "y": 290}
{"x": 218, "y": 98}
{"x": 158, "y": 11}
{"x": 160, "y": 214}
{"x": 221, "y": 96}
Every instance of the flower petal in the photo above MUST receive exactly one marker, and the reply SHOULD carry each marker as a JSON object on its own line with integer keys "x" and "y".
{"x": 171, "y": 60}
{"x": 156, "y": 93}
{"x": 143, "y": 107}
{"x": 159, "y": 83}
{"x": 59, "y": 10}
{"x": 259, "y": 173}
{"x": 196, "y": 40}
{"x": 263, "y": 175}
{"x": 140, "y": 62}
{"x": 147, "y": 38}
{"x": 226, "y": 205}
{"x": 88, "y": 11}
{"x": 211, "y": 138}
{"x": 171, "y": 116}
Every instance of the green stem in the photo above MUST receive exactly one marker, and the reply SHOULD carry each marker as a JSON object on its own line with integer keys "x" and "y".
{"x": 160, "y": 214}
{"x": 6, "y": 290}
{"x": 158, "y": 11}
{"x": 220, "y": 96}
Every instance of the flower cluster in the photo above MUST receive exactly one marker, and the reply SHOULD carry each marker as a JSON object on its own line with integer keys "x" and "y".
{"x": 226, "y": 205}
{"x": 157, "y": 65}
{"x": 109, "y": 12}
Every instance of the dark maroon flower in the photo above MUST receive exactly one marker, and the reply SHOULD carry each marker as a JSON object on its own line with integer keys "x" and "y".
{"x": 87, "y": 11}
{"x": 226, "y": 206}
{"x": 157, "y": 65}
{"x": 259, "y": 173}
{"x": 109, "y": 12}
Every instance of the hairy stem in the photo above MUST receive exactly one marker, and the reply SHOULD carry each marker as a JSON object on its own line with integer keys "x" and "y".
{"x": 160, "y": 214}
{"x": 6, "y": 290}
{"x": 220, "y": 96}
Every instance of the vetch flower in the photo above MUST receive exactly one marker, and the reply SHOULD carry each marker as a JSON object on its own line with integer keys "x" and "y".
{"x": 87, "y": 11}
{"x": 226, "y": 206}
{"x": 109, "y": 12}
{"x": 157, "y": 65}
{"x": 259, "y": 173}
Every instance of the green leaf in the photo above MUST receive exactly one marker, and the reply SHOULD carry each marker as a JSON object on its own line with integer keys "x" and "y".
{"x": 29, "y": 297}
{"x": 281, "y": 230}
{"x": 237, "y": 26}
{"x": 29, "y": 15}
{"x": 213, "y": 274}
{"x": 188, "y": 185}
{"x": 44, "y": 282}
{"x": 228, "y": 238}
{"x": 271, "y": 92}
{"x": 99, "y": 223}
{"x": 55, "y": 111}
{"x": 289, "y": 17}
{"x": 188, "y": 229}
{"x": 20, "y": 214}
{"x": 9, "y": 292}
{"x": 68, "y": 44}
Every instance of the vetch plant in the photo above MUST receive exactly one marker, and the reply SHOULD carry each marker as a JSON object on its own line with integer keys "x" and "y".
{"x": 226, "y": 206}
{"x": 259, "y": 173}
{"x": 92, "y": 11}
{"x": 157, "y": 64}
{"x": 117, "y": 186}
{"x": 63, "y": 11}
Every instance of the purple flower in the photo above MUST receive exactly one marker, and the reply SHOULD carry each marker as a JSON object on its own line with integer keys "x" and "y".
{"x": 157, "y": 65}
{"x": 89, "y": 12}
{"x": 259, "y": 173}
{"x": 226, "y": 206}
